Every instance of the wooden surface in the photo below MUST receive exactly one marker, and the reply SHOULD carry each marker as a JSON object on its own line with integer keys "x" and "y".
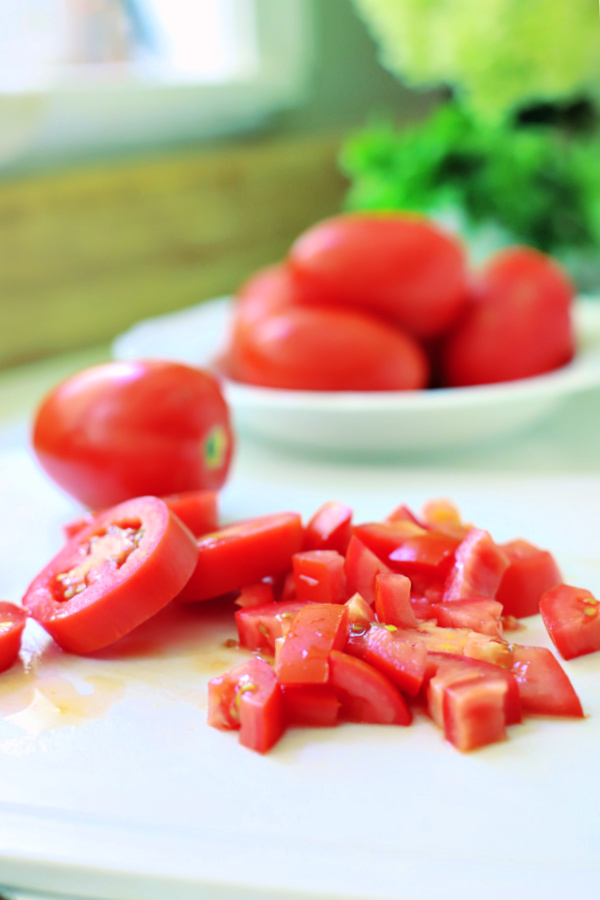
{"x": 84, "y": 254}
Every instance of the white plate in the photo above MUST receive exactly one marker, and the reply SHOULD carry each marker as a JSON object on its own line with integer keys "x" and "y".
{"x": 370, "y": 423}
{"x": 114, "y": 787}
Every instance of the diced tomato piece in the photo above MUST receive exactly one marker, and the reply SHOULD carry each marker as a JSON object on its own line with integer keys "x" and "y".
{"x": 248, "y": 698}
{"x": 530, "y": 573}
{"x": 319, "y": 576}
{"x": 317, "y": 629}
{"x": 362, "y": 565}
{"x": 382, "y": 538}
{"x": 403, "y": 513}
{"x": 444, "y": 667}
{"x": 478, "y": 568}
{"x": 198, "y": 510}
{"x": 259, "y": 594}
{"x": 12, "y": 623}
{"x": 544, "y": 686}
{"x": 572, "y": 618}
{"x": 473, "y": 711}
{"x": 365, "y": 694}
{"x": 479, "y": 614}
{"x": 403, "y": 661}
{"x": 260, "y": 626}
{"x": 426, "y": 556}
{"x": 243, "y": 554}
{"x": 442, "y": 515}
{"x": 311, "y": 705}
{"x": 360, "y": 614}
{"x": 329, "y": 528}
{"x": 392, "y": 601}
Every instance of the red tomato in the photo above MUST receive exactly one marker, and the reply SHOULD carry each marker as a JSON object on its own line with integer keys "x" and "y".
{"x": 242, "y": 554}
{"x": 400, "y": 266}
{"x": 518, "y": 323}
{"x": 572, "y": 617}
{"x": 311, "y": 705}
{"x": 304, "y": 654}
{"x": 329, "y": 528}
{"x": 362, "y": 567}
{"x": 365, "y": 694}
{"x": 323, "y": 349}
{"x": 264, "y": 294}
{"x": 248, "y": 698}
{"x": 127, "y": 429}
{"x": 112, "y": 576}
{"x": 530, "y": 573}
{"x": 403, "y": 661}
{"x": 479, "y": 614}
{"x": 392, "y": 600}
{"x": 478, "y": 568}
{"x": 447, "y": 667}
{"x": 544, "y": 685}
{"x": 474, "y": 709}
{"x": 12, "y": 623}
{"x": 319, "y": 576}
{"x": 260, "y": 626}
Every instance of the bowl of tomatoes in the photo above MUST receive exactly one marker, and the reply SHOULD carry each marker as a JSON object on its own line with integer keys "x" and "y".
{"x": 375, "y": 335}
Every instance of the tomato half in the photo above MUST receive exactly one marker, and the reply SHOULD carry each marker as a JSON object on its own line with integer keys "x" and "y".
{"x": 133, "y": 428}
{"x": 12, "y": 623}
{"x": 243, "y": 554}
{"x": 517, "y": 325}
{"x": 325, "y": 349}
{"x": 401, "y": 266}
{"x": 112, "y": 576}
{"x": 572, "y": 618}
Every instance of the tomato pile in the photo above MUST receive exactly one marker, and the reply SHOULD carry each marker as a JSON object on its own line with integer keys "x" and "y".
{"x": 346, "y": 621}
{"x": 381, "y": 302}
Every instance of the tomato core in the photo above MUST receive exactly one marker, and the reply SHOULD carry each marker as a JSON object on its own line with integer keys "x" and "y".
{"x": 112, "y": 546}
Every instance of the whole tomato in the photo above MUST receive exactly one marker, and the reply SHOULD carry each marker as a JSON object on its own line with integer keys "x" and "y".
{"x": 326, "y": 349}
{"x": 125, "y": 429}
{"x": 518, "y": 323}
{"x": 399, "y": 266}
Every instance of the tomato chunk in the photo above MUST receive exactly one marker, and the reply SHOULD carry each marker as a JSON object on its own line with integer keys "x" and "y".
{"x": 365, "y": 694}
{"x": 392, "y": 601}
{"x": 474, "y": 711}
{"x": 319, "y": 576}
{"x": 248, "y": 698}
{"x": 329, "y": 528}
{"x": 478, "y": 614}
{"x": 362, "y": 565}
{"x": 530, "y": 573}
{"x": 403, "y": 661}
{"x": 572, "y": 618}
{"x": 260, "y": 626}
{"x": 304, "y": 654}
{"x": 242, "y": 554}
{"x": 544, "y": 686}
{"x": 12, "y": 623}
{"x": 112, "y": 576}
{"x": 311, "y": 705}
{"x": 478, "y": 567}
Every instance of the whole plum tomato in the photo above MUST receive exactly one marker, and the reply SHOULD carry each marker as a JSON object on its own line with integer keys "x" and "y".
{"x": 326, "y": 349}
{"x": 126, "y": 429}
{"x": 266, "y": 293}
{"x": 400, "y": 266}
{"x": 518, "y": 323}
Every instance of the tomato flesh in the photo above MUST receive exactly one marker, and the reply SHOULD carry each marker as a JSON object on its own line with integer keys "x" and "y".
{"x": 319, "y": 576}
{"x": 12, "y": 624}
{"x": 365, "y": 694}
{"x": 530, "y": 573}
{"x": 572, "y": 618}
{"x": 248, "y": 698}
{"x": 317, "y": 629}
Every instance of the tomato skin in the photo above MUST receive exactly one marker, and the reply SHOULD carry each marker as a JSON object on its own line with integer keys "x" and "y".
{"x": 329, "y": 528}
{"x": 132, "y": 428}
{"x": 400, "y": 266}
{"x": 517, "y": 325}
{"x": 325, "y": 349}
{"x": 119, "y": 594}
{"x": 242, "y": 554}
{"x": 544, "y": 686}
{"x": 319, "y": 576}
{"x": 530, "y": 573}
{"x": 248, "y": 698}
{"x": 572, "y": 618}
{"x": 12, "y": 623}
{"x": 304, "y": 653}
{"x": 260, "y": 626}
{"x": 365, "y": 694}
{"x": 479, "y": 565}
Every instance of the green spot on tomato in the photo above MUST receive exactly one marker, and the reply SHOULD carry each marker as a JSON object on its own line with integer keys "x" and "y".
{"x": 215, "y": 447}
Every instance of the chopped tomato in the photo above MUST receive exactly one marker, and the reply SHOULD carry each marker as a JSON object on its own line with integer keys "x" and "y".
{"x": 12, "y": 623}
{"x": 260, "y": 626}
{"x": 259, "y": 594}
{"x": 402, "y": 660}
{"x": 442, "y": 515}
{"x": 311, "y": 705}
{"x": 242, "y": 554}
{"x": 112, "y": 576}
{"x": 445, "y": 667}
{"x": 382, "y": 538}
{"x": 572, "y": 618}
{"x": 474, "y": 710}
{"x": 317, "y": 629}
{"x": 544, "y": 686}
{"x": 248, "y": 698}
{"x": 478, "y": 614}
{"x": 362, "y": 565}
{"x": 530, "y": 573}
{"x": 319, "y": 576}
{"x": 478, "y": 568}
{"x": 365, "y": 694}
{"x": 329, "y": 528}
{"x": 426, "y": 556}
{"x": 403, "y": 513}
{"x": 392, "y": 600}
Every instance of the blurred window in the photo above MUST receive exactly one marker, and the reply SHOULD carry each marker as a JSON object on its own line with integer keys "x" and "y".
{"x": 108, "y": 74}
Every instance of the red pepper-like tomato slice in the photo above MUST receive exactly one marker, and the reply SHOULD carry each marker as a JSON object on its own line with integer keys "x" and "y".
{"x": 243, "y": 554}
{"x": 572, "y": 618}
{"x": 112, "y": 576}
{"x": 362, "y": 566}
{"x": 402, "y": 661}
{"x": 12, "y": 623}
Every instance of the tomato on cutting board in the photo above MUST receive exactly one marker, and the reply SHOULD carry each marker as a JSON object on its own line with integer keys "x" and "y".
{"x": 572, "y": 617}
{"x": 12, "y": 624}
{"x": 112, "y": 576}
{"x": 140, "y": 427}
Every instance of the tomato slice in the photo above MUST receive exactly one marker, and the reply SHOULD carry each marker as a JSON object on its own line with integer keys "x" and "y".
{"x": 365, "y": 694}
{"x": 319, "y": 576}
{"x": 478, "y": 568}
{"x": 303, "y": 656}
{"x": 362, "y": 566}
{"x": 572, "y": 618}
{"x": 530, "y": 573}
{"x": 329, "y": 528}
{"x": 112, "y": 576}
{"x": 243, "y": 554}
{"x": 260, "y": 626}
{"x": 544, "y": 686}
{"x": 392, "y": 601}
{"x": 12, "y": 623}
{"x": 248, "y": 698}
